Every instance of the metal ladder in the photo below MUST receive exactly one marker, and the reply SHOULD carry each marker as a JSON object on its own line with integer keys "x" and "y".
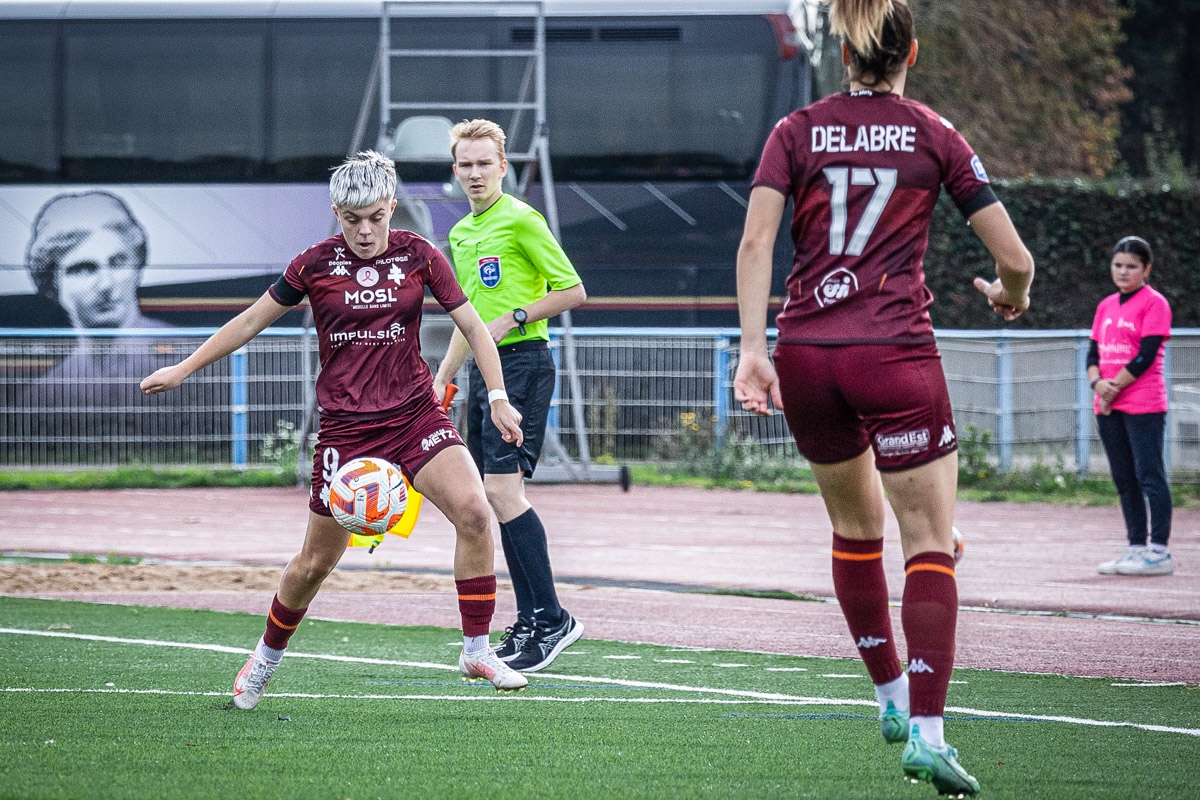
{"x": 531, "y": 97}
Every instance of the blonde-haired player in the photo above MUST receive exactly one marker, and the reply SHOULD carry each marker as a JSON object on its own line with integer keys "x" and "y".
{"x": 366, "y": 286}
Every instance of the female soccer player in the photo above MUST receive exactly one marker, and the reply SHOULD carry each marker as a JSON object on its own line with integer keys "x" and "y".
{"x": 1125, "y": 368}
{"x": 856, "y": 370}
{"x": 375, "y": 395}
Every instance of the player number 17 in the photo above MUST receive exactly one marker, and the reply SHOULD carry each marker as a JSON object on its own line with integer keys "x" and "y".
{"x": 841, "y": 179}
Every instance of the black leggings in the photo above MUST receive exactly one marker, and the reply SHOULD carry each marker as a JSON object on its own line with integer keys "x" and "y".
{"x": 1134, "y": 445}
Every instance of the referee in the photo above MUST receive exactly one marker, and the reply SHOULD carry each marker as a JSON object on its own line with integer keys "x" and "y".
{"x": 516, "y": 274}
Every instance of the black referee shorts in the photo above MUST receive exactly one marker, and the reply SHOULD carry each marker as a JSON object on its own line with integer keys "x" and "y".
{"x": 529, "y": 377}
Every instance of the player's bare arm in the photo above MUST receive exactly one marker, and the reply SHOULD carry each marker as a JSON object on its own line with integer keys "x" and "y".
{"x": 456, "y": 354}
{"x": 552, "y": 304}
{"x": 232, "y": 335}
{"x": 506, "y": 418}
{"x": 1008, "y": 295}
{"x": 756, "y": 385}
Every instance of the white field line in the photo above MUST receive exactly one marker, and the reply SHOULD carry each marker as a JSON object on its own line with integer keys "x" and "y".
{"x": 743, "y": 695}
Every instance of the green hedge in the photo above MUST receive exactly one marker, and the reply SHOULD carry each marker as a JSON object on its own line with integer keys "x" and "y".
{"x": 1070, "y": 227}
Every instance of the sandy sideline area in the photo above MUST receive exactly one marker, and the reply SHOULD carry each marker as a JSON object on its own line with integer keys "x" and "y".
{"x": 33, "y": 579}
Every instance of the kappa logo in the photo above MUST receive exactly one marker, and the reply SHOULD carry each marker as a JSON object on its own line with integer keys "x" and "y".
{"x": 947, "y": 437}
{"x": 867, "y": 642}
{"x": 837, "y": 285}
{"x": 919, "y": 665}
{"x": 367, "y": 276}
{"x": 489, "y": 271}
{"x": 340, "y": 270}
{"x": 1127, "y": 325}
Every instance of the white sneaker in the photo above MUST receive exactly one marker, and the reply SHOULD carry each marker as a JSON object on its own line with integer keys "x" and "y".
{"x": 1132, "y": 554}
{"x": 1148, "y": 562}
{"x": 487, "y": 665}
{"x": 251, "y": 683}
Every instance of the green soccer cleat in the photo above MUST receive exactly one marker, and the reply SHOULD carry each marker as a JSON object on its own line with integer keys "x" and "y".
{"x": 893, "y": 724}
{"x": 937, "y": 765}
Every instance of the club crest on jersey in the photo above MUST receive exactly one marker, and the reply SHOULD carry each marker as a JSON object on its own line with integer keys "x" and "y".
{"x": 489, "y": 271}
{"x": 367, "y": 276}
{"x": 837, "y": 285}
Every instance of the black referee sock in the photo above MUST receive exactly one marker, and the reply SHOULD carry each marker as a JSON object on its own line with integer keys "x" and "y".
{"x": 516, "y": 574}
{"x": 528, "y": 538}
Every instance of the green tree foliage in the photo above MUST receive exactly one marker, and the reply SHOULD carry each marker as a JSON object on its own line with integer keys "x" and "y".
{"x": 1070, "y": 227}
{"x": 1160, "y": 126}
{"x": 1034, "y": 85}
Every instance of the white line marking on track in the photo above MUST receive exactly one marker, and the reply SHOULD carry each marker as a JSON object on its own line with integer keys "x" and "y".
{"x": 742, "y": 694}
{"x": 623, "y": 658}
{"x": 786, "y": 669}
{"x": 728, "y": 665}
{"x": 840, "y": 675}
{"x": 673, "y": 661}
{"x": 1143, "y": 685}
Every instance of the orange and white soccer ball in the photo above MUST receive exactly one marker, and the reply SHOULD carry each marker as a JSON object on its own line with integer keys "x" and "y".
{"x": 960, "y": 546}
{"x": 368, "y": 496}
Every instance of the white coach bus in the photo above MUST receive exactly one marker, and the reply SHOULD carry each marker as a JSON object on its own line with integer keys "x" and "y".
{"x": 215, "y": 125}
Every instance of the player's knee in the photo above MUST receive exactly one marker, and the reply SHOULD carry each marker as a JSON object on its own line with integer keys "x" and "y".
{"x": 313, "y": 570}
{"x": 473, "y": 517}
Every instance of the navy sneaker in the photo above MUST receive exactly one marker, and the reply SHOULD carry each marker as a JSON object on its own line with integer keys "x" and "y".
{"x": 514, "y": 639}
{"x": 545, "y": 642}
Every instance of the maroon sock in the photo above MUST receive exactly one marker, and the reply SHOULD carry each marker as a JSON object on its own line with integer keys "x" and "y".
{"x": 861, "y": 589}
{"x": 281, "y": 624}
{"x": 477, "y": 604}
{"x": 930, "y": 617}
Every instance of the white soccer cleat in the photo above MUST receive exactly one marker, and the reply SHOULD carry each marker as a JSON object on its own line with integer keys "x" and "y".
{"x": 251, "y": 683}
{"x": 487, "y": 665}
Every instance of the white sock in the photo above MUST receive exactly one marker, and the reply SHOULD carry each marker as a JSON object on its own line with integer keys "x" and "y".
{"x": 1158, "y": 548}
{"x": 896, "y": 691}
{"x": 474, "y": 645}
{"x": 270, "y": 653}
{"x": 931, "y": 730}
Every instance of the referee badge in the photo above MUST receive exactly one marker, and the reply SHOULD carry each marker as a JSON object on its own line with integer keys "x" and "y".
{"x": 489, "y": 271}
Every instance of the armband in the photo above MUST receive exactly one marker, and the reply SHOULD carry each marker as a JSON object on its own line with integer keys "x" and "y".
{"x": 497, "y": 394}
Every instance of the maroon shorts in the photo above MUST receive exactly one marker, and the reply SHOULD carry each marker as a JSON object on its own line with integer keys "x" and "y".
{"x": 840, "y": 400}
{"x": 408, "y": 440}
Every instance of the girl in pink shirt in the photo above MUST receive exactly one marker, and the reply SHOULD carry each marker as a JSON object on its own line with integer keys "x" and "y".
{"x": 1125, "y": 368}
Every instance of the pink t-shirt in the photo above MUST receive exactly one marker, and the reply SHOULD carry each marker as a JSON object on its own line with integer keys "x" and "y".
{"x": 1118, "y": 330}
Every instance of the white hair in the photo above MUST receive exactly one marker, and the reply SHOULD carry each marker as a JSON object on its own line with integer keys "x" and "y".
{"x": 363, "y": 180}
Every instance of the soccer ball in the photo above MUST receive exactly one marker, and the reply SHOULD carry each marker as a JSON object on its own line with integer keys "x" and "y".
{"x": 959, "y": 546}
{"x": 367, "y": 496}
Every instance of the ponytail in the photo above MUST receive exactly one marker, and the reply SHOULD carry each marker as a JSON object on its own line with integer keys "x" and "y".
{"x": 878, "y": 33}
{"x": 859, "y": 23}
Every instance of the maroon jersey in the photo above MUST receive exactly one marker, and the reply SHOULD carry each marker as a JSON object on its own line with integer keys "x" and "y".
{"x": 864, "y": 171}
{"x": 368, "y": 319}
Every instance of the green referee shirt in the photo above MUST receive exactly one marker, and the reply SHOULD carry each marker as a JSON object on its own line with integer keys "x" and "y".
{"x": 506, "y": 258}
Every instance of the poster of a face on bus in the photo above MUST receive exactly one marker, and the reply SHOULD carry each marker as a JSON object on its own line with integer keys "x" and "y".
{"x": 138, "y": 256}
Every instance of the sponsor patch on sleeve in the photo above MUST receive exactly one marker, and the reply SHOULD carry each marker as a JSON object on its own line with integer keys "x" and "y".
{"x": 977, "y": 168}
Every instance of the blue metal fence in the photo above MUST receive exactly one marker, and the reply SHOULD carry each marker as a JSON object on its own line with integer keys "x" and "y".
{"x": 68, "y": 401}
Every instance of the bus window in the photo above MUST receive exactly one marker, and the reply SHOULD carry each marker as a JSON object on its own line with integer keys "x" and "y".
{"x": 28, "y": 79}
{"x": 319, "y": 72}
{"x": 193, "y": 95}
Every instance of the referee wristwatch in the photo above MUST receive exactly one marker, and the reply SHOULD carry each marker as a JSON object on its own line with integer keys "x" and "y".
{"x": 520, "y": 317}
